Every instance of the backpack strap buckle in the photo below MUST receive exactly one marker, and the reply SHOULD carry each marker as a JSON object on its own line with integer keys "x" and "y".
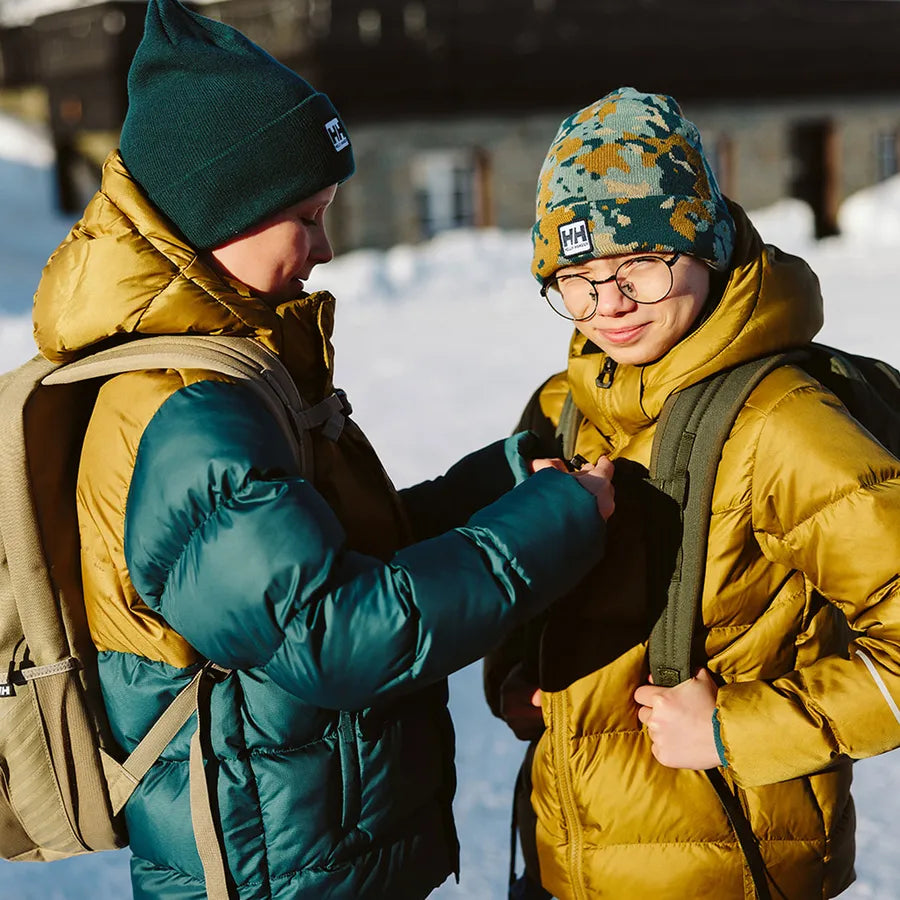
{"x": 214, "y": 672}
{"x": 331, "y": 413}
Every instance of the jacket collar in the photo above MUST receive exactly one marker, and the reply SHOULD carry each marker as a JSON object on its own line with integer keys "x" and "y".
{"x": 123, "y": 270}
{"x": 771, "y": 302}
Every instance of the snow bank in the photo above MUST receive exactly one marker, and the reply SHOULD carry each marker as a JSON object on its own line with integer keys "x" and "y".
{"x": 30, "y": 229}
{"x": 872, "y": 216}
{"x": 23, "y": 143}
{"x": 789, "y": 224}
{"x": 455, "y": 265}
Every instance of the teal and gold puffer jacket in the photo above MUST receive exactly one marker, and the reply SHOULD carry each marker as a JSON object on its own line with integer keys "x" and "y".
{"x": 804, "y": 539}
{"x": 332, "y": 743}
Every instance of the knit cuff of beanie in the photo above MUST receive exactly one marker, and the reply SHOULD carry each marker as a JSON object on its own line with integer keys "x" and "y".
{"x": 575, "y": 233}
{"x": 294, "y": 155}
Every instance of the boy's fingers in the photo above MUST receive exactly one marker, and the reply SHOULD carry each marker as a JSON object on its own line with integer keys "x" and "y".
{"x": 546, "y": 463}
{"x": 646, "y": 694}
{"x": 604, "y": 467}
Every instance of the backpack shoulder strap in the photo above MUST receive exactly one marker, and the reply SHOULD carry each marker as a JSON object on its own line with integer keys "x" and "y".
{"x": 570, "y": 419}
{"x": 243, "y": 359}
{"x": 123, "y": 778}
{"x": 30, "y": 581}
{"x": 692, "y": 430}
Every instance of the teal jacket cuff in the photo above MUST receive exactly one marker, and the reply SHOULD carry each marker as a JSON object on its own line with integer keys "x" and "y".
{"x": 717, "y": 736}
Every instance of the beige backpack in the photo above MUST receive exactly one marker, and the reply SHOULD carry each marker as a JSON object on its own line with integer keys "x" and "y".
{"x": 61, "y": 789}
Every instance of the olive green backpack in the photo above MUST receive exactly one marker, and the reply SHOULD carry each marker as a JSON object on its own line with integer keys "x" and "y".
{"x": 62, "y": 782}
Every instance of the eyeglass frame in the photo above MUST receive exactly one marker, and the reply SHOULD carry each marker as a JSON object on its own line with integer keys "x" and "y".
{"x": 614, "y": 277}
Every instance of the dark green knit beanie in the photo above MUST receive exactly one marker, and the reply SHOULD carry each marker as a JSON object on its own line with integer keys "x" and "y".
{"x": 628, "y": 174}
{"x": 218, "y": 133}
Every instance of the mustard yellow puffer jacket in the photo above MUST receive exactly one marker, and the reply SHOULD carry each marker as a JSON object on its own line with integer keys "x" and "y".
{"x": 805, "y": 527}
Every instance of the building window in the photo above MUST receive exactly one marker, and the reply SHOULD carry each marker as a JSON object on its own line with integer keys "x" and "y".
{"x": 114, "y": 22}
{"x": 414, "y": 20}
{"x": 320, "y": 17}
{"x": 451, "y": 189}
{"x": 369, "y": 21}
{"x": 887, "y": 154}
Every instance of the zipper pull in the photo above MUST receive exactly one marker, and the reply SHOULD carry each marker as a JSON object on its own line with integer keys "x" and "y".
{"x": 605, "y": 378}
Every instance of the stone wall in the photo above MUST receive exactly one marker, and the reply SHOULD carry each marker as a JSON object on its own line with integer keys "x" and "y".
{"x": 753, "y": 143}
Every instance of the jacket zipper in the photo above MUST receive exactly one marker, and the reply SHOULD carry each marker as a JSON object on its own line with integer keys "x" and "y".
{"x": 607, "y": 373}
{"x": 571, "y": 821}
{"x": 350, "y": 773}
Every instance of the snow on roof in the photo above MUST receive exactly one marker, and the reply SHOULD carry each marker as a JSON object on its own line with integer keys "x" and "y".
{"x": 23, "y": 12}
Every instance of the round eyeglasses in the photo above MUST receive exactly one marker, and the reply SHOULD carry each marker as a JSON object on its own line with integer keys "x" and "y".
{"x": 643, "y": 279}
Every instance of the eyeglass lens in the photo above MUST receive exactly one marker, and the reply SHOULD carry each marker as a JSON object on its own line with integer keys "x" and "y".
{"x": 646, "y": 279}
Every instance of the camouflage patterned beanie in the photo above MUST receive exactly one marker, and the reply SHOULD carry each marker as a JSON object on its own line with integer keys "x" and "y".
{"x": 626, "y": 174}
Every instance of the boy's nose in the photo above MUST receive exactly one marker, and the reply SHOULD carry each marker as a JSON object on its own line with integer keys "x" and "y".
{"x": 321, "y": 250}
{"x": 611, "y": 301}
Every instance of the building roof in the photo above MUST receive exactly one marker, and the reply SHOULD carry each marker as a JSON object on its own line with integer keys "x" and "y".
{"x": 14, "y": 13}
{"x": 381, "y": 59}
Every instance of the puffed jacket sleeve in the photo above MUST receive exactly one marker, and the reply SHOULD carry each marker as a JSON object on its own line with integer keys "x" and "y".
{"x": 521, "y": 646}
{"x": 826, "y": 502}
{"x": 245, "y": 559}
{"x": 478, "y": 479}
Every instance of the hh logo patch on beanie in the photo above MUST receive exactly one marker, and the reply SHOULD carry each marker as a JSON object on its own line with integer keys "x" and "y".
{"x": 575, "y": 238}
{"x": 337, "y": 134}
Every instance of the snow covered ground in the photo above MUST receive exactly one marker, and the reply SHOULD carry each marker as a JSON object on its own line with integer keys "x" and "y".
{"x": 438, "y": 347}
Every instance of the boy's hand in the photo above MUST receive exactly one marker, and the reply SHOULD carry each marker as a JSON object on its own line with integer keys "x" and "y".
{"x": 598, "y": 480}
{"x": 537, "y": 464}
{"x": 679, "y": 722}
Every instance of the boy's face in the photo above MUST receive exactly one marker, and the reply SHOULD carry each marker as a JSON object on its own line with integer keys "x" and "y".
{"x": 274, "y": 258}
{"x": 638, "y": 333}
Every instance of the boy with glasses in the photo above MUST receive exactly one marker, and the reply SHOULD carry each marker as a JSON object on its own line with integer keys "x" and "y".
{"x": 667, "y": 283}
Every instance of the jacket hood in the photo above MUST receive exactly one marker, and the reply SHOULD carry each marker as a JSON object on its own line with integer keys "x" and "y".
{"x": 123, "y": 271}
{"x": 771, "y": 302}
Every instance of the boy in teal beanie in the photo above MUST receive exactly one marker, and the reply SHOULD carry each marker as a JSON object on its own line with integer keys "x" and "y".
{"x": 218, "y": 133}
{"x": 338, "y": 604}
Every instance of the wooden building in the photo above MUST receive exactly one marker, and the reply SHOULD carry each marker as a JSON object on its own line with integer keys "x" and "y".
{"x": 451, "y": 104}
